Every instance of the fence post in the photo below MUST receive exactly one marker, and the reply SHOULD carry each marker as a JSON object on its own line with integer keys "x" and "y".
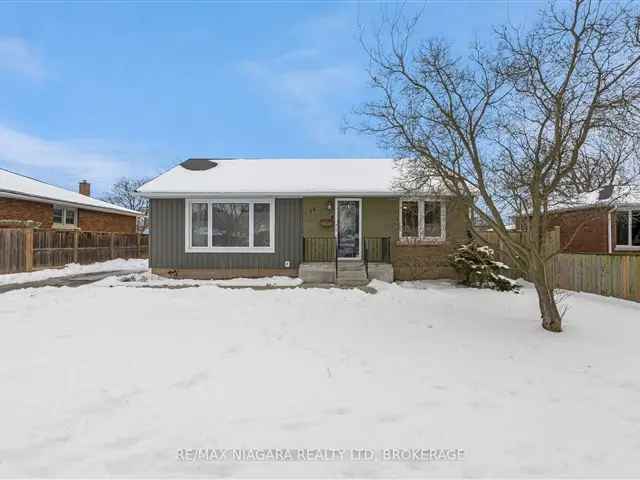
{"x": 76, "y": 234}
{"x": 137, "y": 245}
{"x": 112, "y": 252}
{"x": 28, "y": 249}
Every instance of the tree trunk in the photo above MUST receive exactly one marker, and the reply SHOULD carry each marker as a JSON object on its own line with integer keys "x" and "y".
{"x": 551, "y": 319}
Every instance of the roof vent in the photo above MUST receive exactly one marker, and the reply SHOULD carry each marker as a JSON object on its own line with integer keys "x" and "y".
{"x": 605, "y": 193}
{"x": 198, "y": 164}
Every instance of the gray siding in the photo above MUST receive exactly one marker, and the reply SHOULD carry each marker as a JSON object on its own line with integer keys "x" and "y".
{"x": 167, "y": 239}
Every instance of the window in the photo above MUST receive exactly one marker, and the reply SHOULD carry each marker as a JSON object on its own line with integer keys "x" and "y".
{"x": 58, "y": 215}
{"x": 409, "y": 219}
{"x": 230, "y": 225}
{"x": 64, "y": 216}
{"x": 69, "y": 216}
{"x": 628, "y": 229}
{"x": 261, "y": 224}
{"x": 432, "y": 220}
{"x": 422, "y": 220}
{"x": 245, "y": 225}
{"x": 199, "y": 225}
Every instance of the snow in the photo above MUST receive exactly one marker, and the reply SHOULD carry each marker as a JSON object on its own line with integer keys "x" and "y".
{"x": 628, "y": 195}
{"x": 150, "y": 279}
{"x": 75, "y": 269}
{"x": 15, "y": 184}
{"x": 501, "y": 265}
{"x": 345, "y": 176}
{"x": 112, "y": 379}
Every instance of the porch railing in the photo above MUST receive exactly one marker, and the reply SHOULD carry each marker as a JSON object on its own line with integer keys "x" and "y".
{"x": 323, "y": 249}
{"x": 319, "y": 249}
{"x": 377, "y": 249}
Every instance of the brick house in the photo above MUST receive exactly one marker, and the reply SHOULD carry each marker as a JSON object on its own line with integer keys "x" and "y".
{"x": 24, "y": 199}
{"x": 607, "y": 221}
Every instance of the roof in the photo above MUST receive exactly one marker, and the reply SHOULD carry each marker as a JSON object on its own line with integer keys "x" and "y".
{"x": 277, "y": 176}
{"x": 14, "y": 185}
{"x": 607, "y": 197}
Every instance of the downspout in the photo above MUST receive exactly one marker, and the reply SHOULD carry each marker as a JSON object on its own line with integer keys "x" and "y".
{"x": 610, "y": 235}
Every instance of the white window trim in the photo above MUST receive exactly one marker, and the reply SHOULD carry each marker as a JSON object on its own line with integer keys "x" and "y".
{"x": 421, "y": 236}
{"x": 64, "y": 223}
{"x": 628, "y": 247}
{"x": 211, "y": 249}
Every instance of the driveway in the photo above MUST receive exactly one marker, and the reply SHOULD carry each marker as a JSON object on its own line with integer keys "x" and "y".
{"x": 68, "y": 281}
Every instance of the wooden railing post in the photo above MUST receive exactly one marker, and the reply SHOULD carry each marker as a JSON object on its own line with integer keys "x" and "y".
{"x": 112, "y": 251}
{"x": 28, "y": 249}
{"x": 138, "y": 253}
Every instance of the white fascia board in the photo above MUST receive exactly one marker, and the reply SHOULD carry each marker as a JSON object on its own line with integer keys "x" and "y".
{"x": 274, "y": 194}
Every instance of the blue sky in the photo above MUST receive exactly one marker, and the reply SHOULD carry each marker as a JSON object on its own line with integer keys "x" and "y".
{"x": 101, "y": 90}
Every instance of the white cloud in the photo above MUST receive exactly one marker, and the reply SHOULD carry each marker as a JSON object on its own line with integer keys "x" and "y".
{"x": 62, "y": 163}
{"x": 17, "y": 56}
{"x": 313, "y": 83}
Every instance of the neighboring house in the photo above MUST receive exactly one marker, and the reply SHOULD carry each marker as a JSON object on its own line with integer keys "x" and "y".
{"x": 607, "y": 221}
{"x": 26, "y": 201}
{"x": 216, "y": 218}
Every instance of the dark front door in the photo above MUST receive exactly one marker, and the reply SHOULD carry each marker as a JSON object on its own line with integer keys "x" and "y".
{"x": 348, "y": 227}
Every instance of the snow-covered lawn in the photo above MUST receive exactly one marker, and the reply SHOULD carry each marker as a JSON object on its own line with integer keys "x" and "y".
{"x": 111, "y": 379}
{"x": 75, "y": 269}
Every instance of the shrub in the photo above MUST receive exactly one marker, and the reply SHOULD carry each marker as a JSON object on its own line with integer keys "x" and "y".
{"x": 480, "y": 269}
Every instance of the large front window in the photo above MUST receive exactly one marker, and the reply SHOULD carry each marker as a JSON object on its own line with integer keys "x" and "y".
{"x": 628, "y": 229}
{"x": 422, "y": 220}
{"x": 230, "y": 225}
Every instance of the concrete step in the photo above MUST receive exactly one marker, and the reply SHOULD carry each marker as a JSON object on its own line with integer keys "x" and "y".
{"x": 352, "y": 283}
{"x": 350, "y": 268}
{"x": 352, "y": 278}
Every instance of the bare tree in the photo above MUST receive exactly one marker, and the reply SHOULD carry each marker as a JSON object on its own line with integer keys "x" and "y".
{"x": 611, "y": 159}
{"x": 506, "y": 128}
{"x": 123, "y": 193}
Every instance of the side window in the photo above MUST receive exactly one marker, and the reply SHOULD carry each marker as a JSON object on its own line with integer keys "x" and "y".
{"x": 58, "y": 215}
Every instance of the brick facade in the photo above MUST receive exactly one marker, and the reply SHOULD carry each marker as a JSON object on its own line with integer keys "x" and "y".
{"x": 14, "y": 209}
{"x": 90, "y": 220}
{"x": 93, "y": 221}
{"x": 589, "y": 229}
{"x": 426, "y": 262}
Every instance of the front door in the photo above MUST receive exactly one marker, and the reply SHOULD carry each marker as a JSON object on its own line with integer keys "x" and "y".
{"x": 348, "y": 227}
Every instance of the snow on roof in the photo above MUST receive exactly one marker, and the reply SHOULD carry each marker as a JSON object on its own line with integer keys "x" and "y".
{"x": 608, "y": 197}
{"x": 330, "y": 176}
{"x": 19, "y": 186}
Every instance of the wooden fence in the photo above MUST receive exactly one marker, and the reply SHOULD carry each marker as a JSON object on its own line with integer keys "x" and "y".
{"x": 13, "y": 247}
{"x": 24, "y": 250}
{"x": 616, "y": 275}
{"x": 608, "y": 275}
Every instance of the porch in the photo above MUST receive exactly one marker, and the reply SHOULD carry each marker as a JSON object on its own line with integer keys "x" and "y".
{"x": 324, "y": 260}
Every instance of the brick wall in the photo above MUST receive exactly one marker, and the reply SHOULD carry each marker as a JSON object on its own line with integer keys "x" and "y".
{"x": 106, "y": 222}
{"x": 14, "y": 209}
{"x": 424, "y": 262}
{"x": 589, "y": 229}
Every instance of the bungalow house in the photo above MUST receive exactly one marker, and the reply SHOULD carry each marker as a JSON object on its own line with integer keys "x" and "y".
{"x": 317, "y": 218}
{"x": 606, "y": 221}
{"x": 25, "y": 201}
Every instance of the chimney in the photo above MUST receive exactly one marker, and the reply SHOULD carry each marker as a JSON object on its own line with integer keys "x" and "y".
{"x": 84, "y": 188}
{"x": 605, "y": 193}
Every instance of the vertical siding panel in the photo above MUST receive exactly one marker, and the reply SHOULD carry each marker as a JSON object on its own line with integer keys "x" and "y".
{"x": 167, "y": 231}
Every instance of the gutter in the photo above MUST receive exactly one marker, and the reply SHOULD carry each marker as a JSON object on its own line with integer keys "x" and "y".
{"x": 37, "y": 198}
{"x": 282, "y": 194}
